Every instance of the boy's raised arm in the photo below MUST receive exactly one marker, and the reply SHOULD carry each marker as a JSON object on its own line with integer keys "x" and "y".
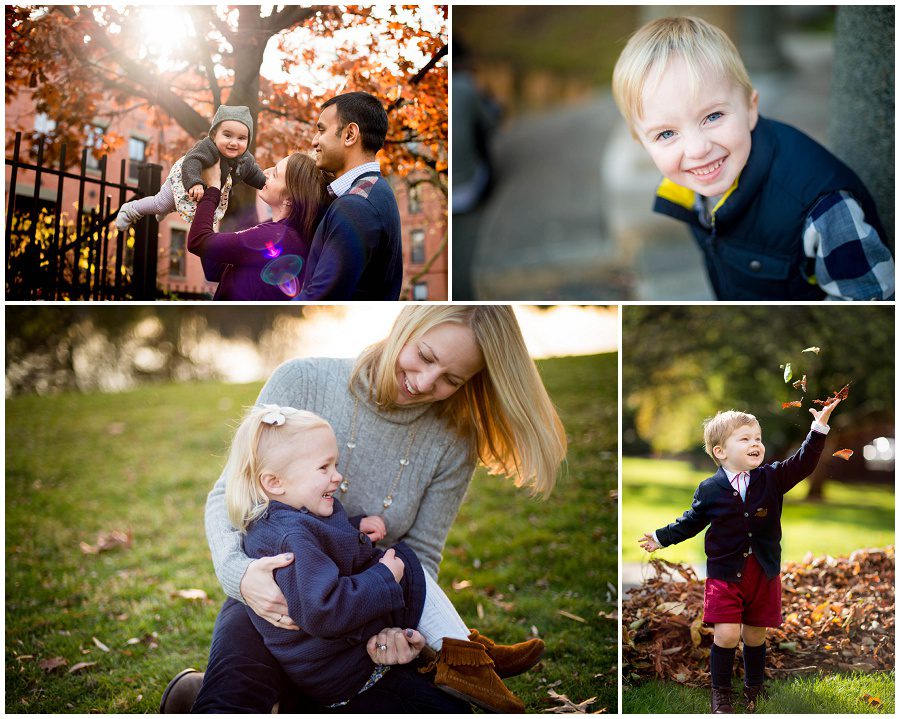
{"x": 801, "y": 464}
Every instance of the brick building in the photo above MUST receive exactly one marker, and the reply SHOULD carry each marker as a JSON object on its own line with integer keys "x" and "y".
{"x": 422, "y": 208}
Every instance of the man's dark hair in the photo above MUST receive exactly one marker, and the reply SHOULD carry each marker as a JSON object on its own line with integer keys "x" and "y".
{"x": 367, "y": 112}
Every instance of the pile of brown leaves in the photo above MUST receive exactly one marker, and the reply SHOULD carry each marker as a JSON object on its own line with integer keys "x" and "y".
{"x": 838, "y": 616}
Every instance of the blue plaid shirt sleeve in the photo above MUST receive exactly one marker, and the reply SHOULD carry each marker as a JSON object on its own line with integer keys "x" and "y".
{"x": 851, "y": 261}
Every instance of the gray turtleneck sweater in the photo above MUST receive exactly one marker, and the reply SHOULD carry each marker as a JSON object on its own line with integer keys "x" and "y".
{"x": 427, "y": 496}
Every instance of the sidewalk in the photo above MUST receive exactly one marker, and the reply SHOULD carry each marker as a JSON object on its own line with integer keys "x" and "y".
{"x": 570, "y": 217}
{"x": 542, "y": 233}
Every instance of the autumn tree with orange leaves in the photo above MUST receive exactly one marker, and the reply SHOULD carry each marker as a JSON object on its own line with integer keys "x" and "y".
{"x": 81, "y": 64}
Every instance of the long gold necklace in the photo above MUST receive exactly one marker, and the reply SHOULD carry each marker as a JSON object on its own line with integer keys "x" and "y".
{"x": 404, "y": 460}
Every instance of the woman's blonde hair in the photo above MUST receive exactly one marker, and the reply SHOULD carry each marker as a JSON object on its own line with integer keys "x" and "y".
{"x": 702, "y": 46}
{"x": 504, "y": 409}
{"x": 719, "y": 428}
{"x": 262, "y": 443}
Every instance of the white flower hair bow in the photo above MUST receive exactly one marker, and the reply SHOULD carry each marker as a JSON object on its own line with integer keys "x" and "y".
{"x": 276, "y": 414}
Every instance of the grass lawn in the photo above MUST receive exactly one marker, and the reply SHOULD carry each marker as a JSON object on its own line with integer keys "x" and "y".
{"x": 832, "y": 694}
{"x": 656, "y": 492}
{"x": 142, "y": 461}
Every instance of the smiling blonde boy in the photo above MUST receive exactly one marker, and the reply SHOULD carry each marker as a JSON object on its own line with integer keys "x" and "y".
{"x": 741, "y": 503}
{"x": 776, "y": 215}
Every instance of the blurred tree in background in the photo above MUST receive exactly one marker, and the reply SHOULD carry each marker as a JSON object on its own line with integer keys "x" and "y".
{"x": 682, "y": 364}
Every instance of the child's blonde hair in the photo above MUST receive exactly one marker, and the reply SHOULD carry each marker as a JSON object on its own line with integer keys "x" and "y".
{"x": 719, "y": 428}
{"x": 258, "y": 447}
{"x": 504, "y": 409}
{"x": 702, "y": 46}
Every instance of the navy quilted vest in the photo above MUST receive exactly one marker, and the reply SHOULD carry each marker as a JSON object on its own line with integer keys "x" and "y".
{"x": 754, "y": 249}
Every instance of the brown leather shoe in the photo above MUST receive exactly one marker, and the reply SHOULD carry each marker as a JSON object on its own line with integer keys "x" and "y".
{"x": 464, "y": 670}
{"x": 752, "y": 695}
{"x": 511, "y": 659}
{"x": 179, "y": 696}
{"x": 721, "y": 701}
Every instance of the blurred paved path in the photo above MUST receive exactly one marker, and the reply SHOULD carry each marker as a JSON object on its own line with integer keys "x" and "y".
{"x": 541, "y": 234}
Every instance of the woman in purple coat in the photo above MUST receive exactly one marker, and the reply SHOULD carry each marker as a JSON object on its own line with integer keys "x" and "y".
{"x": 264, "y": 262}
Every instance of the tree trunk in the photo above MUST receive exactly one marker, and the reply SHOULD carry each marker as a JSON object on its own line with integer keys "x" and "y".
{"x": 861, "y": 127}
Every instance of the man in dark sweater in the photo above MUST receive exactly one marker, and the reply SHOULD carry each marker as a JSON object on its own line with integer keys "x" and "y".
{"x": 742, "y": 504}
{"x": 357, "y": 252}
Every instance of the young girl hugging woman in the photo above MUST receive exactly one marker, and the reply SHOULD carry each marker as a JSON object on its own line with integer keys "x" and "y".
{"x": 227, "y": 143}
{"x": 281, "y": 480}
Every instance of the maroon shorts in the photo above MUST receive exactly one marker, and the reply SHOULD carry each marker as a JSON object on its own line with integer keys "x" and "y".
{"x": 754, "y": 599}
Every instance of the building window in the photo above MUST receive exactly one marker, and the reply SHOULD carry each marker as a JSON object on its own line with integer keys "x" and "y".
{"x": 177, "y": 258}
{"x": 417, "y": 253}
{"x": 43, "y": 125}
{"x": 420, "y": 291}
{"x": 93, "y": 140}
{"x": 137, "y": 156}
{"x": 415, "y": 199}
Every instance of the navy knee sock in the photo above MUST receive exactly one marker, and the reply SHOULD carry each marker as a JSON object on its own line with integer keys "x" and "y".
{"x": 721, "y": 665}
{"x": 754, "y": 664}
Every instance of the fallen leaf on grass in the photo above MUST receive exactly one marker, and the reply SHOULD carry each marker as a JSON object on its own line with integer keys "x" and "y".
{"x": 614, "y": 494}
{"x": 843, "y": 454}
{"x": 80, "y": 666}
{"x": 569, "y": 615}
{"x": 871, "y": 701}
{"x": 192, "y": 595}
{"x": 107, "y": 541}
{"x": 608, "y": 615}
{"x": 115, "y": 428}
{"x": 795, "y": 403}
{"x": 100, "y": 645}
{"x": 566, "y": 705}
{"x": 461, "y": 584}
{"x": 49, "y": 665}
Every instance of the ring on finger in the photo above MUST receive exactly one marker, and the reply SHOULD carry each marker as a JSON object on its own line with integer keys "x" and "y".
{"x": 382, "y": 647}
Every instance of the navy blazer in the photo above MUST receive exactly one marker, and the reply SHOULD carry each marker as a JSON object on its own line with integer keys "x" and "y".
{"x": 337, "y": 593}
{"x": 736, "y": 526}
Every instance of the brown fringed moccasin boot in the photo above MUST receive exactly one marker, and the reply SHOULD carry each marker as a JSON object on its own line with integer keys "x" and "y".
{"x": 464, "y": 670}
{"x": 511, "y": 659}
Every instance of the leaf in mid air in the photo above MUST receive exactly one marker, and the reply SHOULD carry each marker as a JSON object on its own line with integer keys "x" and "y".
{"x": 788, "y": 372}
{"x": 844, "y": 454}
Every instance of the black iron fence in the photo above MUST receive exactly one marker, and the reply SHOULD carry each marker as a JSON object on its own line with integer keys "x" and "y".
{"x": 50, "y": 256}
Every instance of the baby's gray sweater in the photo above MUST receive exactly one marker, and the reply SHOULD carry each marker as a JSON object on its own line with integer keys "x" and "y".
{"x": 431, "y": 487}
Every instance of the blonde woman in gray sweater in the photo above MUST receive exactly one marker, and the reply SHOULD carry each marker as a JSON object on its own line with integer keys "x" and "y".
{"x": 449, "y": 387}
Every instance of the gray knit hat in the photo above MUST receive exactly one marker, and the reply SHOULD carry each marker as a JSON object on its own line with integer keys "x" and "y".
{"x": 240, "y": 113}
